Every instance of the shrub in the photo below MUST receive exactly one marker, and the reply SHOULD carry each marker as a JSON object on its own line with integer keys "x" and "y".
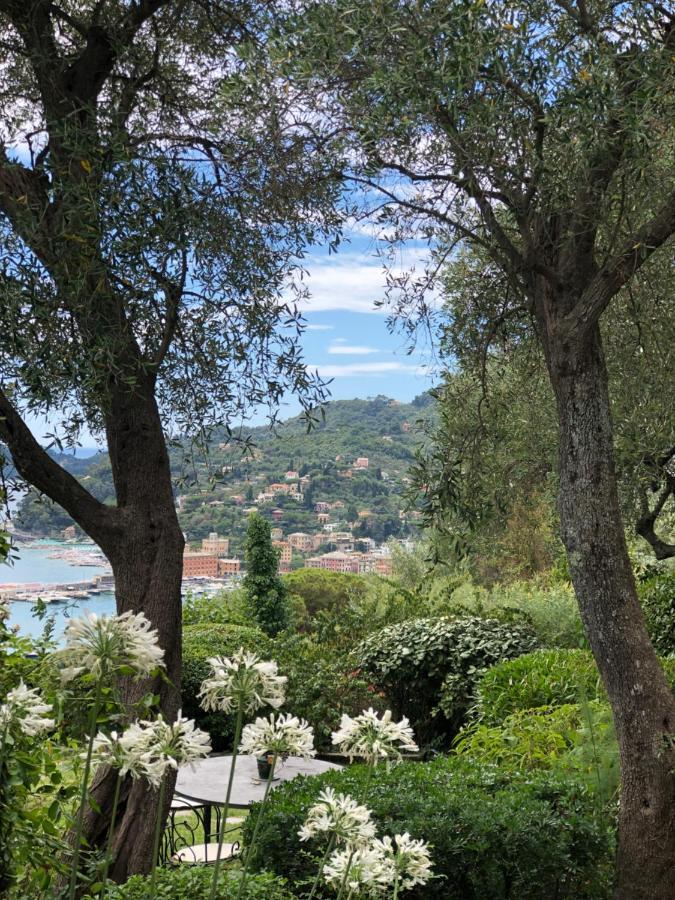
{"x": 492, "y": 835}
{"x": 225, "y": 608}
{"x": 542, "y": 678}
{"x": 575, "y": 739}
{"x": 320, "y": 589}
{"x": 321, "y": 686}
{"x": 428, "y": 668}
{"x": 200, "y": 642}
{"x": 194, "y": 883}
{"x": 657, "y": 596}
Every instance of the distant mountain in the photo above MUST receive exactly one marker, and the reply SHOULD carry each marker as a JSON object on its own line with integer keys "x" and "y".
{"x": 321, "y": 462}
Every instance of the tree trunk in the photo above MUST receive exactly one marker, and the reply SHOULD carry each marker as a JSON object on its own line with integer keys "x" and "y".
{"x": 642, "y": 703}
{"x": 147, "y": 562}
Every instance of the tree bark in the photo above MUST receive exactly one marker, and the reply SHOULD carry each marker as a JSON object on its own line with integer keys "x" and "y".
{"x": 147, "y": 562}
{"x": 642, "y": 703}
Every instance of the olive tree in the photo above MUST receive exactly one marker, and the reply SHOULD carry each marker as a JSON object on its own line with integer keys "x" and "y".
{"x": 153, "y": 207}
{"x": 539, "y": 131}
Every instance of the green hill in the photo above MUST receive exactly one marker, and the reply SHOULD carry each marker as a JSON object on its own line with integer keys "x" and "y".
{"x": 223, "y": 486}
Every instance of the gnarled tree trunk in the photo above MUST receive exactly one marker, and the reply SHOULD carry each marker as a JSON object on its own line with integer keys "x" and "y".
{"x": 642, "y": 703}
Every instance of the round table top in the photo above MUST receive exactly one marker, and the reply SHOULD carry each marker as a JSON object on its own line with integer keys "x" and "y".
{"x": 205, "y": 781}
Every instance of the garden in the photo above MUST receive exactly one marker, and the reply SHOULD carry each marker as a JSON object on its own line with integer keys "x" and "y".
{"x": 470, "y": 694}
{"x": 477, "y": 750}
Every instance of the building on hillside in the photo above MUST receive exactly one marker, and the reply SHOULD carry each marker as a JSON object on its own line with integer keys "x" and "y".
{"x": 338, "y": 504}
{"x": 285, "y": 554}
{"x": 301, "y": 541}
{"x": 277, "y": 533}
{"x": 335, "y": 562}
{"x": 322, "y": 506}
{"x": 69, "y": 533}
{"x": 200, "y": 564}
{"x": 214, "y": 545}
{"x": 361, "y": 463}
{"x": 229, "y": 567}
{"x": 291, "y": 476}
{"x": 322, "y": 518}
{"x": 277, "y": 514}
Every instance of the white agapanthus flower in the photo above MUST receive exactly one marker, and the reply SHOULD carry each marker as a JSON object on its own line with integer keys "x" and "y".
{"x": 107, "y": 645}
{"x": 367, "y": 871}
{"x": 148, "y": 748}
{"x": 338, "y": 815}
{"x": 24, "y": 709}
{"x": 129, "y": 752}
{"x": 173, "y": 745}
{"x": 410, "y": 858}
{"x": 242, "y": 681}
{"x": 282, "y": 735}
{"x": 374, "y": 739}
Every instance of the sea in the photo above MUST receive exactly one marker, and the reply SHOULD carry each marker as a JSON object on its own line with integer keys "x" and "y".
{"x": 32, "y": 564}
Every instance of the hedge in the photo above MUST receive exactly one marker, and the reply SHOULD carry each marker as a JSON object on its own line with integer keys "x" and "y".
{"x": 428, "y": 668}
{"x": 200, "y": 642}
{"x": 542, "y": 678}
{"x": 493, "y": 834}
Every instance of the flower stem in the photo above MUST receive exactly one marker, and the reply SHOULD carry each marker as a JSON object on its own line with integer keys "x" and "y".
{"x": 331, "y": 844}
{"x": 249, "y": 849}
{"x": 223, "y": 821}
{"x": 93, "y": 718}
{"x": 345, "y": 876}
{"x": 108, "y": 849}
{"x": 396, "y": 884}
{"x": 158, "y": 831}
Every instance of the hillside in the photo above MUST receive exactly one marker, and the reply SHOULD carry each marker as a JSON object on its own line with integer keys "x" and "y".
{"x": 315, "y": 467}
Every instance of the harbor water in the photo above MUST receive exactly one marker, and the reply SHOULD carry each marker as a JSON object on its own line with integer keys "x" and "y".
{"x": 36, "y": 564}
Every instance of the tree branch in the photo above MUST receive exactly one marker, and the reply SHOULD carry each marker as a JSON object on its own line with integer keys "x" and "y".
{"x": 37, "y": 467}
{"x": 618, "y": 271}
{"x": 645, "y": 524}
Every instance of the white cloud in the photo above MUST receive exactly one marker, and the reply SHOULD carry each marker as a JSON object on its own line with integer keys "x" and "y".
{"x": 339, "y": 348}
{"x": 351, "y": 370}
{"x": 348, "y": 284}
{"x": 319, "y": 328}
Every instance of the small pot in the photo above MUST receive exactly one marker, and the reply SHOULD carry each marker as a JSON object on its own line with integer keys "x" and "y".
{"x": 265, "y": 764}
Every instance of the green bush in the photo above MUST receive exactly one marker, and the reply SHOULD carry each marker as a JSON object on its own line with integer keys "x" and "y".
{"x": 657, "y": 596}
{"x": 321, "y": 686}
{"x": 200, "y": 642}
{"x": 542, "y": 678}
{"x": 320, "y": 589}
{"x": 224, "y": 608}
{"x": 428, "y": 668}
{"x": 574, "y": 739}
{"x": 492, "y": 835}
{"x": 194, "y": 883}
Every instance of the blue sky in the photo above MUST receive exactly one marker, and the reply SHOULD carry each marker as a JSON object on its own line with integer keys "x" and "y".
{"x": 347, "y": 338}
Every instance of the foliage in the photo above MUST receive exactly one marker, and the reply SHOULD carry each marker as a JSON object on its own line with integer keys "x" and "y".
{"x": 200, "y": 642}
{"x": 320, "y": 589}
{"x": 223, "y": 608}
{"x": 428, "y": 668}
{"x": 321, "y": 684}
{"x": 542, "y": 678}
{"x": 194, "y": 883}
{"x": 551, "y": 610}
{"x": 265, "y": 591}
{"x": 657, "y": 596}
{"x": 493, "y": 834}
